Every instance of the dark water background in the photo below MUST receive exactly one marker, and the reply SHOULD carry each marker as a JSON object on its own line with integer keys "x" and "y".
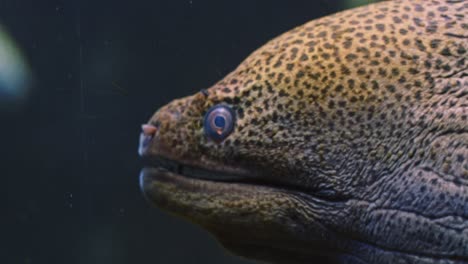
{"x": 69, "y": 163}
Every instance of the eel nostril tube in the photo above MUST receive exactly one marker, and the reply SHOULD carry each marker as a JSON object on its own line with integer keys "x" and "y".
{"x": 146, "y": 137}
{"x": 148, "y": 130}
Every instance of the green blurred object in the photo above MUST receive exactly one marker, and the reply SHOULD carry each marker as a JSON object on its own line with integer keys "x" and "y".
{"x": 15, "y": 75}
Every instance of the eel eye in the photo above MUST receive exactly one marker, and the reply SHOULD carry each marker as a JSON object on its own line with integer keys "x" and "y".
{"x": 219, "y": 122}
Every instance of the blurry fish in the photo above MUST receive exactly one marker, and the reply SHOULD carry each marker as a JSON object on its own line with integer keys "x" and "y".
{"x": 15, "y": 74}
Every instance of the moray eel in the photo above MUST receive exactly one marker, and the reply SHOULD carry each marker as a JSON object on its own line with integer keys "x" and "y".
{"x": 344, "y": 140}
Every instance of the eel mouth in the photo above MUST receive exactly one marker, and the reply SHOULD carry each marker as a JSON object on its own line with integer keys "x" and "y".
{"x": 185, "y": 169}
{"x": 169, "y": 183}
{"x": 158, "y": 167}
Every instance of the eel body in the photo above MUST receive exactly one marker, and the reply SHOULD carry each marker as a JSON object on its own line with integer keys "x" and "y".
{"x": 344, "y": 140}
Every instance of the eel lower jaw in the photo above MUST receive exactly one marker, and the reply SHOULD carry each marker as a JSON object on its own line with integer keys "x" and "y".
{"x": 242, "y": 216}
{"x": 240, "y": 210}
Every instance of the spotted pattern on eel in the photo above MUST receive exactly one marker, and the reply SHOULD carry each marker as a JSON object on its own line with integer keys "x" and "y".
{"x": 353, "y": 129}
